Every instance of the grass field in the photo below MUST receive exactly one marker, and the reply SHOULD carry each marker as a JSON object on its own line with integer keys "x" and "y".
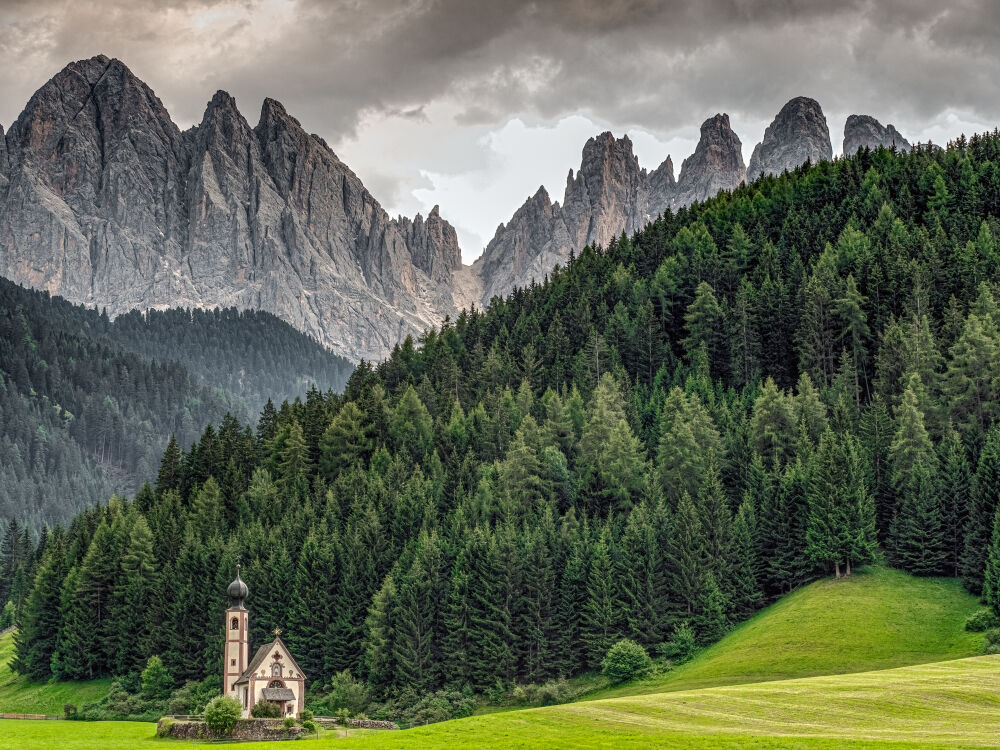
{"x": 877, "y": 619}
{"x": 948, "y": 704}
{"x": 17, "y": 695}
{"x": 756, "y": 688}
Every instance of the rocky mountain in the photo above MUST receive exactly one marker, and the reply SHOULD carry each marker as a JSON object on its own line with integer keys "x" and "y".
{"x": 610, "y": 194}
{"x": 716, "y": 164}
{"x": 105, "y": 202}
{"x": 862, "y": 131}
{"x": 797, "y": 134}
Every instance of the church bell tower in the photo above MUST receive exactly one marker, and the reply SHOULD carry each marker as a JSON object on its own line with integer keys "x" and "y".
{"x": 237, "y": 646}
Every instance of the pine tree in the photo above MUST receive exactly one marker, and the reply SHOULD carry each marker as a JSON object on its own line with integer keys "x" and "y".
{"x": 600, "y": 626}
{"x": 956, "y": 495}
{"x": 36, "y": 638}
{"x": 983, "y": 505}
{"x": 991, "y": 575}
{"x": 919, "y": 541}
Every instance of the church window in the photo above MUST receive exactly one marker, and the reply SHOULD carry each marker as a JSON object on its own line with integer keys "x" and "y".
{"x": 232, "y": 662}
{"x": 276, "y": 670}
{"x": 234, "y": 624}
{"x": 275, "y": 684}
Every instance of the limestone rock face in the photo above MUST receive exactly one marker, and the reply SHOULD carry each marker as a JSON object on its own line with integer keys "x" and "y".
{"x": 716, "y": 164}
{"x": 104, "y": 201}
{"x": 608, "y": 195}
{"x": 862, "y": 131}
{"x": 799, "y": 133}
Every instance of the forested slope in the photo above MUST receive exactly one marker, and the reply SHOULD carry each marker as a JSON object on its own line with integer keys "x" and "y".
{"x": 88, "y": 404}
{"x": 775, "y": 385}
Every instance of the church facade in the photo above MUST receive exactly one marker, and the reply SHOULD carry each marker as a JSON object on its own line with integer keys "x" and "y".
{"x": 271, "y": 675}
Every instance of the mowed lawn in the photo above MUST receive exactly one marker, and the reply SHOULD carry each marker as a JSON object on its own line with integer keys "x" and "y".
{"x": 877, "y": 619}
{"x": 954, "y": 704}
{"x": 18, "y": 695}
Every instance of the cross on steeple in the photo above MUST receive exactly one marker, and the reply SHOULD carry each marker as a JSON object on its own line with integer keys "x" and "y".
{"x": 277, "y": 631}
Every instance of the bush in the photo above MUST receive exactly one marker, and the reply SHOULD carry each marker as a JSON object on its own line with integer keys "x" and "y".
{"x": 222, "y": 713}
{"x": 163, "y": 727}
{"x": 309, "y": 725}
{"x": 415, "y": 710}
{"x": 992, "y": 644}
{"x": 306, "y": 715}
{"x": 681, "y": 645}
{"x": 554, "y": 691}
{"x": 289, "y": 722}
{"x": 194, "y": 696}
{"x": 981, "y": 621}
{"x": 266, "y": 710}
{"x": 156, "y": 680}
{"x": 347, "y": 693}
{"x": 626, "y": 660}
{"x": 69, "y": 711}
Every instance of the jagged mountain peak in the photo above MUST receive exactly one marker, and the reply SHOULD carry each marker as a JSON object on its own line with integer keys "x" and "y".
{"x": 864, "y": 131}
{"x": 797, "y": 134}
{"x": 716, "y": 164}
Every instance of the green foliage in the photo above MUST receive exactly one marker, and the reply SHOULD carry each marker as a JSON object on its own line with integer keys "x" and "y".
{"x": 266, "y": 710}
{"x": 682, "y": 644}
{"x": 344, "y": 691}
{"x": 981, "y": 620}
{"x": 156, "y": 681}
{"x": 625, "y": 660}
{"x": 221, "y": 714}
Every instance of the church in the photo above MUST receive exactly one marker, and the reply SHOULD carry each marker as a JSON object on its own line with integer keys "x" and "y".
{"x": 271, "y": 675}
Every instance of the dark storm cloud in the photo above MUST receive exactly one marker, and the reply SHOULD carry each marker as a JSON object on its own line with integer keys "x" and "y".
{"x": 658, "y": 65}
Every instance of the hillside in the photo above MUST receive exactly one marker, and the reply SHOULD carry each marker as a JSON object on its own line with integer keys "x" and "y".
{"x": 20, "y": 695}
{"x": 877, "y": 619}
{"x": 778, "y": 385}
{"x": 89, "y": 404}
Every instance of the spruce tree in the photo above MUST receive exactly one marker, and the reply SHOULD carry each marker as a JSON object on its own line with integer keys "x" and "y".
{"x": 600, "y": 624}
{"x": 983, "y": 505}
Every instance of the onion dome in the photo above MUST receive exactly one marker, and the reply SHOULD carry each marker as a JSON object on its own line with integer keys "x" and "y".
{"x": 237, "y": 591}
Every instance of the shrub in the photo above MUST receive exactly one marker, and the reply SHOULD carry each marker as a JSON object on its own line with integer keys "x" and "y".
{"x": 681, "y": 645}
{"x": 266, "y": 710}
{"x": 193, "y": 696}
{"x": 69, "y": 711}
{"x": 222, "y": 713}
{"x": 414, "y": 710}
{"x": 346, "y": 692}
{"x": 289, "y": 722}
{"x": 306, "y": 715}
{"x": 310, "y": 726}
{"x": 992, "y": 644}
{"x": 626, "y": 660}
{"x": 156, "y": 680}
{"x": 163, "y": 727}
{"x": 981, "y": 621}
{"x": 554, "y": 691}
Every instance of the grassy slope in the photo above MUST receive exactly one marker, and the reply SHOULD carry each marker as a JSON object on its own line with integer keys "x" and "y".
{"x": 949, "y": 704}
{"x": 17, "y": 695}
{"x": 877, "y": 619}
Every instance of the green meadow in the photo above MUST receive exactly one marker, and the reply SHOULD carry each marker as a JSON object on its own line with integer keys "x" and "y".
{"x": 873, "y": 661}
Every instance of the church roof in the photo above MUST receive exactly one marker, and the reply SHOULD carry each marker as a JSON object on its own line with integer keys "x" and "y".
{"x": 277, "y": 694}
{"x": 262, "y": 654}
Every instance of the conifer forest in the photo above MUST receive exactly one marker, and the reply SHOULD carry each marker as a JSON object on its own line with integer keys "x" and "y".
{"x": 669, "y": 433}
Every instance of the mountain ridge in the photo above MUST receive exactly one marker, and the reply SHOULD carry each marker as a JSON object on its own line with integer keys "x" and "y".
{"x": 105, "y": 201}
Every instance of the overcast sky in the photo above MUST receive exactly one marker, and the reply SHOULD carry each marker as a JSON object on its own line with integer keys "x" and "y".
{"x": 472, "y": 104}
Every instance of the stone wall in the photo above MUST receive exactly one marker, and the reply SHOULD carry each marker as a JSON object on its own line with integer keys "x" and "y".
{"x": 245, "y": 729}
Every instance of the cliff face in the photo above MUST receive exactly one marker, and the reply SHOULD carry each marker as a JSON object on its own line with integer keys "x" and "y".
{"x": 798, "y": 134}
{"x": 610, "y": 194}
{"x": 862, "y": 131}
{"x": 106, "y": 202}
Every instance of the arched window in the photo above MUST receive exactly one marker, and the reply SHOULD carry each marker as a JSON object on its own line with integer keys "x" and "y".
{"x": 234, "y": 624}
{"x": 275, "y": 684}
{"x": 276, "y": 670}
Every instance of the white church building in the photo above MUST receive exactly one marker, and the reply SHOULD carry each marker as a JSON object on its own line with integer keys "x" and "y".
{"x": 271, "y": 675}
